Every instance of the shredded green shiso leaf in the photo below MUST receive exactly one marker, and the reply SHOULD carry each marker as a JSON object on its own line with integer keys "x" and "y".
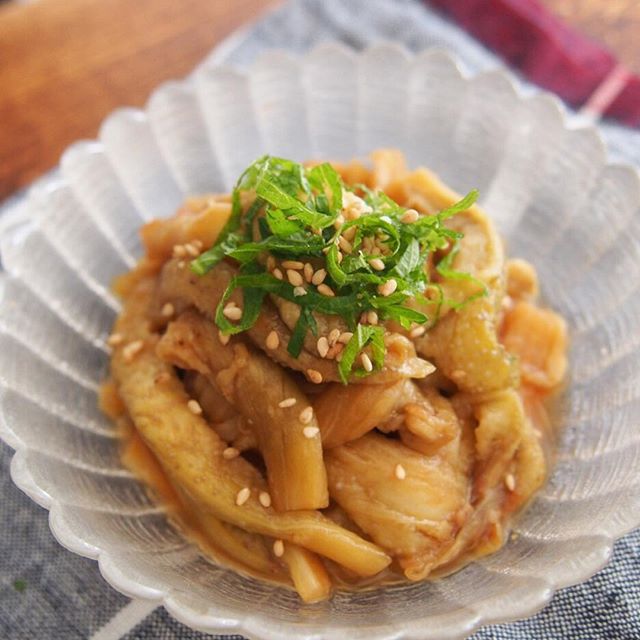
{"x": 283, "y": 209}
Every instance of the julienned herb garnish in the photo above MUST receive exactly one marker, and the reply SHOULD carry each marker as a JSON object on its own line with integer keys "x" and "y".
{"x": 375, "y": 260}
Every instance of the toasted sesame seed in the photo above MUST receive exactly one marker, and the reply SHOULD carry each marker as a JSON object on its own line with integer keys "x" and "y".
{"x": 345, "y": 336}
{"x": 339, "y": 221}
{"x": 388, "y": 287}
{"x": 292, "y": 264}
{"x": 339, "y": 257}
{"x": 308, "y": 272}
{"x": 271, "y": 263}
{"x": 277, "y": 274}
{"x": 286, "y": 403}
{"x": 334, "y": 334}
{"x": 194, "y": 407}
{"x": 265, "y": 499}
{"x": 350, "y": 234}
{"x": 273, "y": 341}
{"x": 339, "y": 356}
{"x": 223, "y": 338}
{"x": 324, "y": 290}
{"x": 115, "y": 339}
{"x": 230, "y": 453}
{"x": 299, "y": 291}
{"x": 242, "y": 496}
{"x": 306, "y": 415}
{"x": 182, "y": 264}
{"x": 318, "y": 277}
{"x": 377, "y": 264}
{"x": 232, "y": 312}
{"x": 192, "y": 250}
{"x": 409, "y": 216}
{"x": 197, "y": 243}
{"x": 510, "y": 481}
{"x": 310, "y": 432}
{"x": 168, "y": 310}
{"x": 278, "y": 548}
{"x": 345, "y": 245}
{"x": 372, "y": 317}
{"x": 295, "y": 278}
{"x": 417, "y": 332}
{"x": 179, "y": 251}
{"x": 366, "y": 362}
{"x": 323, "y": 346}
{"x": 400, "y": 472}
{"x": 314, "y": 375}
{"x": 132, "y": 350}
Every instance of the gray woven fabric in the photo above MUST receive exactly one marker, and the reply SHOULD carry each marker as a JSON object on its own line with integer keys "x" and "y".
{"x": 49, "y": 593}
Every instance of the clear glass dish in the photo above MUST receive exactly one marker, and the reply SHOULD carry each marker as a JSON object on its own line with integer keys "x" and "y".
{"x": 549, "y": 188}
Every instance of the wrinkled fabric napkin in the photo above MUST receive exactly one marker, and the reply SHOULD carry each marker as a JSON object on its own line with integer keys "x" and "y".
{"x": 49, "y": 593}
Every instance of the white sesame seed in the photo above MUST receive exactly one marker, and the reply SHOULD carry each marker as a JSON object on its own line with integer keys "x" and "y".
{"x": 318, "y": 277}
{"x": 306, "y": 415}
{"x": 265, "y": 499}
{"x": 334, "y": 334}
{"x": 409, "y": 216}
{"x": 339, "y": 221}
{"x": 388, "y": 287}
{"x": 132, "y": 350}
{"x": 278, "y": 274}
{"x": 230, "y": 453}
{"x": 115, "y": 339}
{"x": 510, "y": 481}
{"x": 345, "y": 245}
{"x": 286, "y": 403}
{"x": 278, "y": 548}
{"x": 339, "y": 257}
{"x": 377, "y": 264}
{"x": 401, "y": 474}
{"x": 372, "y": 317}
{"x": 167, "y": 310}
{"x": 323, "y": 346}
{"x": 223, "y": 337}
{"x": 417, "y": 332}
{"x": 308, "y": 272}
{"x": 314, "y": 375}
{"x": 295, "y": 278}
{"x": 310, "y": 432}
{"x": 273, "y": 341}
{"x": 345, "y": 336}
{"x": 324, "y": 290}
{"x": 179, "y": 251}
{"x": 242, "y": 496}
{"x": 299, "y": 291}
{"x": 232, "y": 312}
{"x": 366, "y": 362}
{"x": 350, "y": 233}
{"x": 192, "y": 250}
{"x": 292, "y": 264}
{"x": 194, "y": 407}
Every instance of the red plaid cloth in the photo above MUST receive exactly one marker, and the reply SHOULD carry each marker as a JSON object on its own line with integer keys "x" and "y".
{"x": 551, "y": 54}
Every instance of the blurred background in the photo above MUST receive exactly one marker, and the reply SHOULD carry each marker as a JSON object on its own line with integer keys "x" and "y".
{"x": 65, "y": 64}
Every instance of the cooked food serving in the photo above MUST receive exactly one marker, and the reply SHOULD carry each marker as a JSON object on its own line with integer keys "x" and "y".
{"x": 333, "y": 377}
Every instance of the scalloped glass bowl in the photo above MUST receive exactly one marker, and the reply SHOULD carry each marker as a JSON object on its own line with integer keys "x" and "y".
{"x": 546, "y": 184}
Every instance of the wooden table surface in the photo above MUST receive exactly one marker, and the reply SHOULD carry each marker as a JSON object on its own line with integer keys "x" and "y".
{"x": 65, "y": 64}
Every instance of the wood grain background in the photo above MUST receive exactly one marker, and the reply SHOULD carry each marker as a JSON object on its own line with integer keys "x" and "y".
{"x": 65, "y": 64}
